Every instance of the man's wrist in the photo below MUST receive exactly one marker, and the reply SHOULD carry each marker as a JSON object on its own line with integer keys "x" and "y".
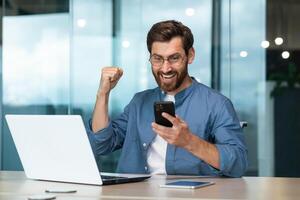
{"x": 101, "y": 94}
{"x": 191, "y": 141}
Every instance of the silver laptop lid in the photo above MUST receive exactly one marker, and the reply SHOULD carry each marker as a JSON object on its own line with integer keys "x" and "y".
{"x": 54, "y": 147}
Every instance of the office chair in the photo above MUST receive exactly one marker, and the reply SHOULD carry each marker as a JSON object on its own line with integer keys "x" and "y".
{"x": 243, "y": 124}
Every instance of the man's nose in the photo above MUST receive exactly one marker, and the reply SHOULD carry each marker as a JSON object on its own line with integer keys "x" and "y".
{"x": 166, "y": 67}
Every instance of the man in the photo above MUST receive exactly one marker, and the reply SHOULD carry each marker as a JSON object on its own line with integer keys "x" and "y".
{"x": 205, "y": 139}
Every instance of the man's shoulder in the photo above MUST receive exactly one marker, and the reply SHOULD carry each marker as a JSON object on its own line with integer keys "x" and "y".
{"x": 209, "y": 93}
{"x": 146, "y": 94}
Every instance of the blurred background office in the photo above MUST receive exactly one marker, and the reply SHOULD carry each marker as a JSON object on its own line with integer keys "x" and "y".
{"x": 52, "y": 52}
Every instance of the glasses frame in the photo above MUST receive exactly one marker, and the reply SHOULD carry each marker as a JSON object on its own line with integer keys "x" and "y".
{"x": 178, "y": 62}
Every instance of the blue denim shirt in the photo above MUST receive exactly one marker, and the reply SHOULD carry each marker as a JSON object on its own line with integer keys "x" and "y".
{"x": 209, "y": 115}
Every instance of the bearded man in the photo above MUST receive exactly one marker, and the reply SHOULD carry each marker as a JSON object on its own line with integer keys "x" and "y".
{"x": 205, "y": 137}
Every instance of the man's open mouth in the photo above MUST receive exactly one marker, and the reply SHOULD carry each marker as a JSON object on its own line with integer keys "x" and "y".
{"x": 168, "y": 76}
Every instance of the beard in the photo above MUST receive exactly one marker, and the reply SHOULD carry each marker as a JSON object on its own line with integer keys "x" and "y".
{"x": 179, "y": 77}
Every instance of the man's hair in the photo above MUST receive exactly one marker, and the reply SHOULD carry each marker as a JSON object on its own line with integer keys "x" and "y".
{"x": 166, "y": 30}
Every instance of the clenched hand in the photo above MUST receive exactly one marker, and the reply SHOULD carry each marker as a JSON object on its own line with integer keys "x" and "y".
{"x": 109, "y": 79}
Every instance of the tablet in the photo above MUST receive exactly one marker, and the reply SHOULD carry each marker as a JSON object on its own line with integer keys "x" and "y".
{"x": 186, "y": 184}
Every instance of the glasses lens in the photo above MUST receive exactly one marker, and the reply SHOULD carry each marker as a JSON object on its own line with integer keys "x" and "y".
{"x": 174, "y": 59}
{"x": 156, "y": 60}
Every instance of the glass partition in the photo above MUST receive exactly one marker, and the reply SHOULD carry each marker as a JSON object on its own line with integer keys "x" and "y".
{"x": 243, "y": 73}
{"x": 35, "y": 66}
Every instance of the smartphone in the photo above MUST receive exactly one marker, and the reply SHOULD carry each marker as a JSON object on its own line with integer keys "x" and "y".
{"x": 187, "y": 184}
{"x": 163, "y": 106}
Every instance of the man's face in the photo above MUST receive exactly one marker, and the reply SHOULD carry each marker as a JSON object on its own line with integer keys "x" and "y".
{"x": 171, "y": 72}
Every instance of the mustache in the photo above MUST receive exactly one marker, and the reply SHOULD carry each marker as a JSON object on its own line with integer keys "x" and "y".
{"x": 168, "y": 73}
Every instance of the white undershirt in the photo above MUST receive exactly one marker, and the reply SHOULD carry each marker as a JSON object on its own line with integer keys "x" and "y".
{"x": 156, "y": 156}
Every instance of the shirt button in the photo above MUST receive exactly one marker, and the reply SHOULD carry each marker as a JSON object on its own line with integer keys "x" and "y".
{"x": 144, "y": 145}
{"x": 146, "y": 168}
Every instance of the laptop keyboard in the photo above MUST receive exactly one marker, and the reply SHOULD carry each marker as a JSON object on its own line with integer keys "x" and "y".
{"x": 114, "y": 179}
{"x": 105, "y": 177}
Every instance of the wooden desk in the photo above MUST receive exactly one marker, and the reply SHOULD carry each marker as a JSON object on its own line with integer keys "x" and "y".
{"x": 15, "y": 186}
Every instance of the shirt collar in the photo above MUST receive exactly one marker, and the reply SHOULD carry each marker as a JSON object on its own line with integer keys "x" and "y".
{"x": 180, "y": 96}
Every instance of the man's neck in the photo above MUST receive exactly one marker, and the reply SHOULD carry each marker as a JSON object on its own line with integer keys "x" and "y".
{"x": 185, "y": 84}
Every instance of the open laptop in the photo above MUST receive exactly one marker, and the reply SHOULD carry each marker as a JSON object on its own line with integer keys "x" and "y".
{"x": 56, "y": 148}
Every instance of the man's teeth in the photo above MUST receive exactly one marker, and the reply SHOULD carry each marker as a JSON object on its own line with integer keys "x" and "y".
{"x": 168, "y": 75}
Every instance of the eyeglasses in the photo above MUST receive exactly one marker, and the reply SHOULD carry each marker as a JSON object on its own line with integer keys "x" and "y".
{"x": 158, "y": 61}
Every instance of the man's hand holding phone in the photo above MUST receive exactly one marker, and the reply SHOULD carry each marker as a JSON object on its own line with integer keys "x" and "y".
{"x": 178, "y": 134}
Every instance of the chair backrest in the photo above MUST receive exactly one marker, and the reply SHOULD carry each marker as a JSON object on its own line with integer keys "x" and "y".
{"x": 243, "y": 124}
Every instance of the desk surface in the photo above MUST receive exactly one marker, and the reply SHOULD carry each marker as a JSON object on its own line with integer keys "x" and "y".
{"x": 15, "y": 186}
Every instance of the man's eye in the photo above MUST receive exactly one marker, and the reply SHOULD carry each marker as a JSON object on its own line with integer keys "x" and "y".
{"x": 156, "y": 58}
{"x": 174, "y": 58}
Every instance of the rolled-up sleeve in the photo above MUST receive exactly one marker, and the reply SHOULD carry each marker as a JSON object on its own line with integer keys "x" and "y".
{"x": 230, "y": 142}
{"x": 110, "y": 138}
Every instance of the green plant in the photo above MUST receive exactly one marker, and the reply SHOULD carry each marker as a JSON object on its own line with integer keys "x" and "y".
{"x": 291, "y": 79}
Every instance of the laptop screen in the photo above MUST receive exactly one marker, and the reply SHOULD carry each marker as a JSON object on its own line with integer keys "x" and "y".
{"x": 54, "y": 147}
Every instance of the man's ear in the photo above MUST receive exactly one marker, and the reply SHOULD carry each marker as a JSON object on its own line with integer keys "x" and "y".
{"x": 191, "y": 55}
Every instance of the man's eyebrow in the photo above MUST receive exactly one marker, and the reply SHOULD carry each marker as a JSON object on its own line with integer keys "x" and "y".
{"x": 156, "y": 55}
{"x": 174, "y": 54}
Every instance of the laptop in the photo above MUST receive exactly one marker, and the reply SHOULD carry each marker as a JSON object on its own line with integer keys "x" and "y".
{"x": 56, "y": 148}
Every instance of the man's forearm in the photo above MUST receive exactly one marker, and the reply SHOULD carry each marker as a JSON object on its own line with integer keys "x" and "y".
{"x": 100, "y": 116}
{"x": 204, "y": 150}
